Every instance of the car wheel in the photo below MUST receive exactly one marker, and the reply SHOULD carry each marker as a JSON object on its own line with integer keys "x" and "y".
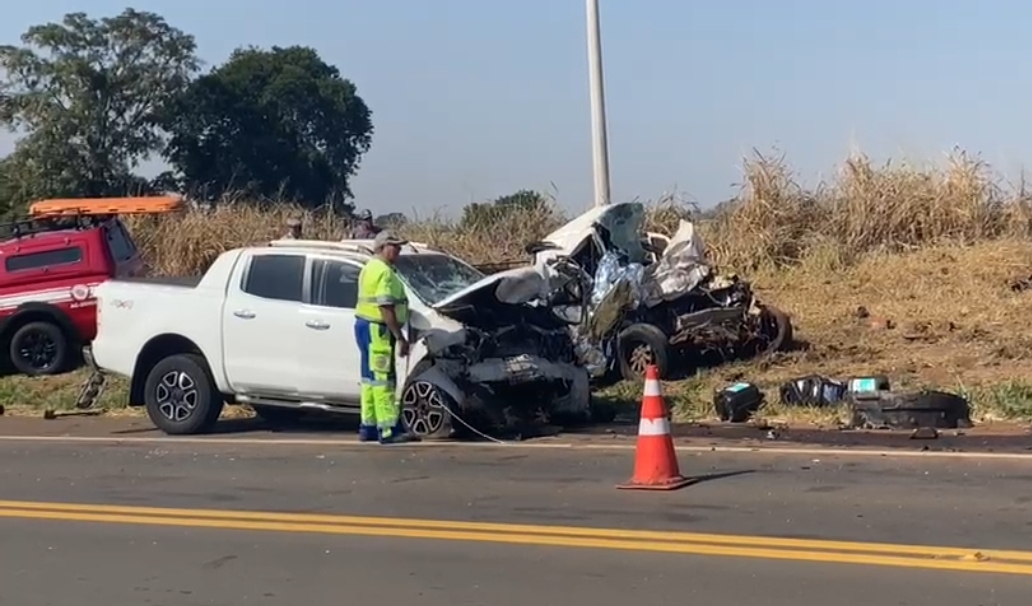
{"x": 39, "y": 348}
{"x": 181, "y": 397}
{"x": 277, "y": 415}
{"x": 641, "y": 346}
{"x": 773, "y": 332}
{"x": 426, "y": 410}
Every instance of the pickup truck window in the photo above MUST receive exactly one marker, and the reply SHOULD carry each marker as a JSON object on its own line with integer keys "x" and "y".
{"x": 46, "y": 258}
{"x": 119, "y": 243}
{"x": 278, "y": 277}
{"x": 335, "y": 284}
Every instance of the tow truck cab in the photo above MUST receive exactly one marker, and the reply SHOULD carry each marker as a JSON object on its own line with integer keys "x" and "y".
{"x": 49, "y": 264}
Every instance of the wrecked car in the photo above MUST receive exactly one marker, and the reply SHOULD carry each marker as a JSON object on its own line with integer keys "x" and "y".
{"x": 656, "y": 300}
{"x": 273, "y": 327}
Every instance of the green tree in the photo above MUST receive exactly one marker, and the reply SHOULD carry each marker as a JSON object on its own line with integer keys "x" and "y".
{"x": 88, "y": 93}
{"x": 277, "y": 123}
{"x": 524, "y": 202}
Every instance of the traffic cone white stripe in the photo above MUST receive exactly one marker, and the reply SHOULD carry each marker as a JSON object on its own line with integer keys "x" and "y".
{"x": 653, "y": 388}
{"x": 653, "y": 427}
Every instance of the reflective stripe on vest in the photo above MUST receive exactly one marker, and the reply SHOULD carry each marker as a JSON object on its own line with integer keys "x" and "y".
{"x": 378, "y": 285}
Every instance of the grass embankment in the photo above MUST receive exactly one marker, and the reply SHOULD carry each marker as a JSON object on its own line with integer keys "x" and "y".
{"x": 897, "y": 270}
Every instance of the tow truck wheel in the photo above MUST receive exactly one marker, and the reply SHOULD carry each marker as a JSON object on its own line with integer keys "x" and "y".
{"x": 181, "y": 397}
{"x": 38, "y": 349}
{"x": 639, "y": 346}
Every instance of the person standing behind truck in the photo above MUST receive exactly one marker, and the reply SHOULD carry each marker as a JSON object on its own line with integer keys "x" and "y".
{"x": 364, "y": 228}
{"x": 293, "y": 229}
{"x": 381, "y": 311}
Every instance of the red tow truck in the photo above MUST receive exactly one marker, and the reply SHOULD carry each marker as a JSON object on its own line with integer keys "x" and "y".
{"x": 49, "y": 264}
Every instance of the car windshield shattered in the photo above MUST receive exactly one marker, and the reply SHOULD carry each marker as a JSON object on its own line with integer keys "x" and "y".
{"x": 436, "y": 277}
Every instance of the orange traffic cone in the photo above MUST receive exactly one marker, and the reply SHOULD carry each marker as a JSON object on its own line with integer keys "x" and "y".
{"x": 655, "y": 462}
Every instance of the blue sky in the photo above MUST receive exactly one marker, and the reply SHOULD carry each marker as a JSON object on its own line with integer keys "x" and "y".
{"x": 474, "y": 99}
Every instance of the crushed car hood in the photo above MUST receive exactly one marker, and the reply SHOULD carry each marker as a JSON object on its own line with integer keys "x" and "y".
{"x": 512, "y": 286}
{"x": 505, "y": 298}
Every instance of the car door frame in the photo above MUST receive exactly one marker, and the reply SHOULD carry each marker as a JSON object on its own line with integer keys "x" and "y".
{"x": 349, "y": 364}
{"x": 288, "y": 358}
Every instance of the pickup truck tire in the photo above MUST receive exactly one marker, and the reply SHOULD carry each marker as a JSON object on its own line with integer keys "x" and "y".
{"x": 426, "y": 410}
{"x": 39, "y": 349}
{"x": 181, "y": 397}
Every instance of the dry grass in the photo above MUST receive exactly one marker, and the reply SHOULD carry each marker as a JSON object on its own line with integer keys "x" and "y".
{"x": 894, "y": 269}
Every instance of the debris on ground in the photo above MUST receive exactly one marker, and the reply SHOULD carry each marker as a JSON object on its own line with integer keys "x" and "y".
{"x": 820, "y": 391}
{"x": 924, "y": 433}
{"x": 737, "y": 403}
{"x": 860, "y": 385}
{"x": 814, "y": 391}
{"x": 912, "y": 410}
{"x": 875, "y": 406}
{"x": 50, "y": 414}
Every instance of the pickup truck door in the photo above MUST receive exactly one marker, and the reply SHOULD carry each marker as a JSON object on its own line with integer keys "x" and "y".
{"x": 260, "y": 324}
{"x": 329, "y": 360}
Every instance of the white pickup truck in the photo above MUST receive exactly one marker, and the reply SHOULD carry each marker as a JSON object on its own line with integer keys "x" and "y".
{"x": 273, "y": 327}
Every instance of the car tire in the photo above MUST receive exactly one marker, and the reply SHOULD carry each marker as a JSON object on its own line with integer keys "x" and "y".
{"x": 39, "y": 349}
{"x": 640, "y": 345}
{"x": 181, "y": 397}
{"x": 427, "y": 410}
{"x": 777, "y": 328}
{"x": 277, "y": 415}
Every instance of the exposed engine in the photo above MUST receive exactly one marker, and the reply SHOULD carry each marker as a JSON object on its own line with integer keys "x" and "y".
{"x": 518, "y": 366}
{"x": 520, "y": 339}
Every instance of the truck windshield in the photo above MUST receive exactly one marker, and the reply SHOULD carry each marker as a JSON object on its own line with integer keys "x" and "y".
{"x": 435, "y": 277}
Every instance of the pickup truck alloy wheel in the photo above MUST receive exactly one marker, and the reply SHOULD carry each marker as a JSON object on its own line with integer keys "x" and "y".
{"x": 176, "y": 395}
{"x": 39, "y": 348}
{"x": 181, "y": 396}
{"x": 425, "y": 410}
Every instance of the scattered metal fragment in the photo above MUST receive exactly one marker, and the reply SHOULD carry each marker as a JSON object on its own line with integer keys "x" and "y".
{"x": 50, "y": 414}
{"x": 924, "y": 433}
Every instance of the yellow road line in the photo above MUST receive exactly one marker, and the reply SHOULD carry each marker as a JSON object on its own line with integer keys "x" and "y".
{"x": 903, "y": 556}
{"x": 921, "y": 551}
{"x": 531, "y": 539}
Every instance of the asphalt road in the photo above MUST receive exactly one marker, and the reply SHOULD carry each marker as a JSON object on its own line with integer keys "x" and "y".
{"x": 168, "y": 523}
{"x": 994, "y": 438}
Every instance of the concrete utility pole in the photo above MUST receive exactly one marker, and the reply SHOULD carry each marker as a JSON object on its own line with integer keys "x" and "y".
{"x": 599, "y": 142}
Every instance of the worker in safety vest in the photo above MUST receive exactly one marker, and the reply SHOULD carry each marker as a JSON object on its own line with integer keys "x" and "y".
{"x": 381, "y": 312}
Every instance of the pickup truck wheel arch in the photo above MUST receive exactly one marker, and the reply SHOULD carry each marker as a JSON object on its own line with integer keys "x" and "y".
{"x": 181, "y": 396}
{"x": 156, "y": 350}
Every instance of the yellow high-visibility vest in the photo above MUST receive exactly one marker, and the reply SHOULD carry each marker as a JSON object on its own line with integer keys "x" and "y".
{"x": 378, "y": 284}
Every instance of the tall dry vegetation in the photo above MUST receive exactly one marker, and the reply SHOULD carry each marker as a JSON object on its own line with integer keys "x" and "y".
{"x": 773, "y": 223}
